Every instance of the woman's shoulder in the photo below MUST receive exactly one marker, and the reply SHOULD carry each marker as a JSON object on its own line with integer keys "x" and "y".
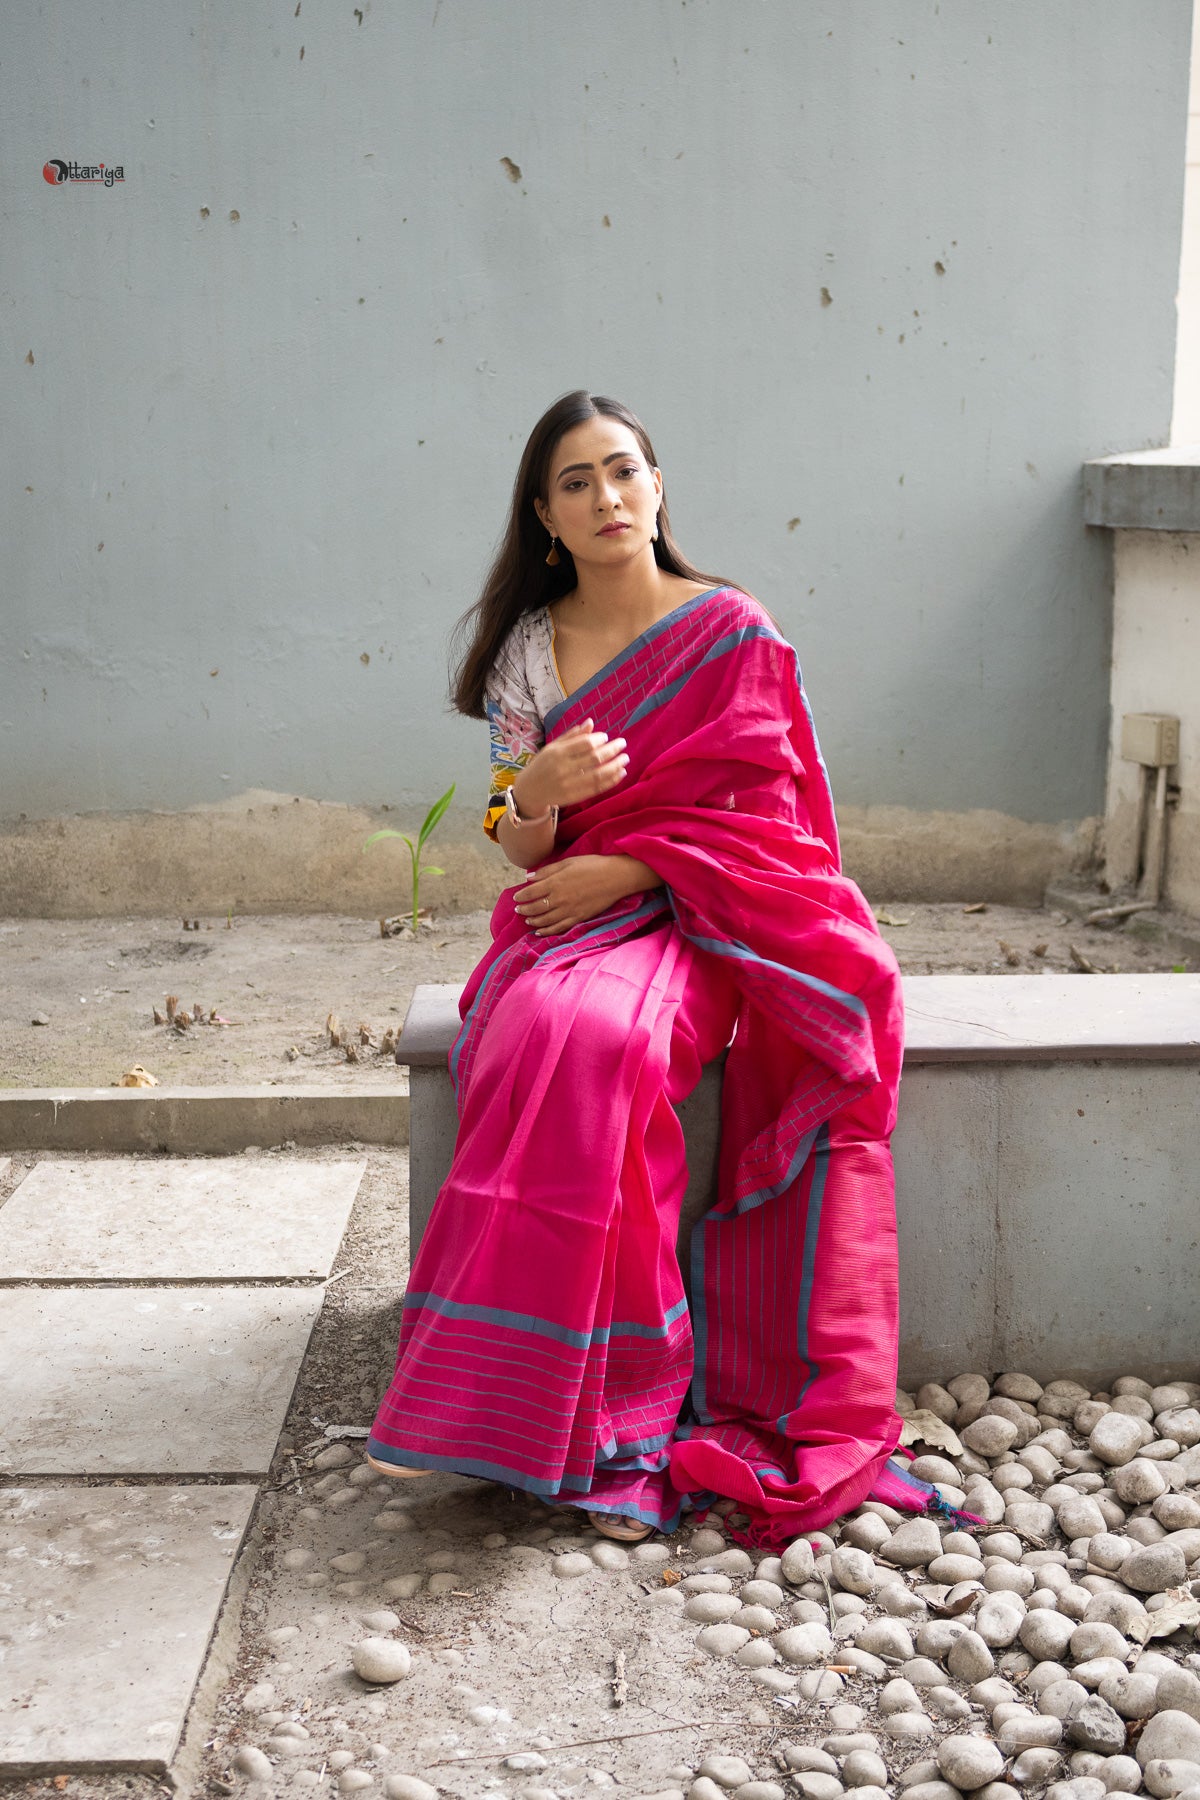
{"x": 531, "y": 631}
{"x": 524, "y": 663}
{"x": 733, "y": 607}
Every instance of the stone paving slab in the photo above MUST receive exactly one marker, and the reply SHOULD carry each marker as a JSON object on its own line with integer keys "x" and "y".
{"x": 214, "y": 1219}
{"x": 148, "y": 1381}
{"x": 110, "y": 1596}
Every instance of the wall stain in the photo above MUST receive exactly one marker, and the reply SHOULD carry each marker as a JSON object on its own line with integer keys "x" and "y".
{"x": 826, "y": 297}
{"x": 511, "y": 169}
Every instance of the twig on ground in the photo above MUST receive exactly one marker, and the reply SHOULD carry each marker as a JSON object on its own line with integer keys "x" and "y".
{"x": 620, "y": 1737}
{"x": 1110, "y": 914}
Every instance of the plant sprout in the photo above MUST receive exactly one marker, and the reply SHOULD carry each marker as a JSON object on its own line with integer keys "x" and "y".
{"x": 433, "y": 819}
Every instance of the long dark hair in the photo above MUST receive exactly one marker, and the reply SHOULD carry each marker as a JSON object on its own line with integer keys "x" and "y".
{"x": 519, "y": 580}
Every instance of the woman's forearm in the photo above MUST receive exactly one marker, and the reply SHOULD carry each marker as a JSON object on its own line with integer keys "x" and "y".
{"x": 630, "y": 876}
{"x": 525, "y": 845}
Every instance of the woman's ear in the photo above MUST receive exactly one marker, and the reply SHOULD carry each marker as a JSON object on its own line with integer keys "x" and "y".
{"x": 543, "y": 513}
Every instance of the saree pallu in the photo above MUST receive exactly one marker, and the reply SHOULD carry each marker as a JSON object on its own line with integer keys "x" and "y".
{"x": 546, "y": 1338}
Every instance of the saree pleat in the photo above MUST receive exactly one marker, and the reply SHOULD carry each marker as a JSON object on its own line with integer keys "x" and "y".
{"x": 546, "y": 1339}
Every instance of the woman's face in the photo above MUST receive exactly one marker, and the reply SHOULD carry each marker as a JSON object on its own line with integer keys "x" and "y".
{"x": 602, "y": 495}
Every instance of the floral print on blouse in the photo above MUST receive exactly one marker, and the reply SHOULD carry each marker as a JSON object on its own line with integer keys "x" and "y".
{"x": 522, "y": 688}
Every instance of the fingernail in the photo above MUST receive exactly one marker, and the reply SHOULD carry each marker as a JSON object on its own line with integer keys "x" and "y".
{"x": 618, "y": 743}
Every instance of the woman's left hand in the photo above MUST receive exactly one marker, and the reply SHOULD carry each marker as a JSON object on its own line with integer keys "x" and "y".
{"x": 580, "y": 888}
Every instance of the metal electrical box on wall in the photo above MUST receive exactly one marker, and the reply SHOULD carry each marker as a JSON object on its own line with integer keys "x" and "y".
{"x": 1151, "y": 739}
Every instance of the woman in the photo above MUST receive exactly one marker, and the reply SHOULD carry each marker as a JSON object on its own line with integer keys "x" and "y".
{"x": 655, "y": 769}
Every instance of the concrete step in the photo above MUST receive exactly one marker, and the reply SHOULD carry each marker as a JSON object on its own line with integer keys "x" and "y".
{"x": 202, "y": 1121}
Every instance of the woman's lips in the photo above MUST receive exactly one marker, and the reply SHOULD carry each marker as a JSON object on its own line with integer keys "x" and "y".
{"x": 612, "y": 530}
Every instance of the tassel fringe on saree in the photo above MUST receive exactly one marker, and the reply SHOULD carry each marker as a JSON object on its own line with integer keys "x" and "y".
{"x": 547, "y": 1342}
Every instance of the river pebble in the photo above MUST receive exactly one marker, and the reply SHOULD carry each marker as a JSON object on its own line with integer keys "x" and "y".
{"x": 710, "y": 1609}
{"x": 1171, "y": 1736}
{"x": 969, "y": 1762}
{"x": 722, "y": 1640}
{"x": 253, "y": 1763}
{"x": 816, "y": 1786}
{"x": 380, "y": 1659}
{"x": 726, "y": 1771}
{"x": 1152, "y": 1568}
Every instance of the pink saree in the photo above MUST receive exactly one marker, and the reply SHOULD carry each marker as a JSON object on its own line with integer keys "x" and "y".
{"x": 546, "y": 1341}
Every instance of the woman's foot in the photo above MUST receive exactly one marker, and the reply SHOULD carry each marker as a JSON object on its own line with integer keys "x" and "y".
{"x": 618, "y": 1526}
{"x": 395, "y": 1469}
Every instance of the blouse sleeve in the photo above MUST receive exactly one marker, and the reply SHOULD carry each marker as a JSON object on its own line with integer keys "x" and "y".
{"x": 515, "y": 725}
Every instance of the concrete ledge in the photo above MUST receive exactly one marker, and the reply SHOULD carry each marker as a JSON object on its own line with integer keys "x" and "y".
{"x": 1147, "y": 490}
{"x": 1047, "y": 1169}
{"x": 965, "y": 1018}
{"x": 197, "y": 1121}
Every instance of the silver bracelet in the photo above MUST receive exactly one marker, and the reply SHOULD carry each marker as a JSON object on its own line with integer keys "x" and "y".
{"x": 549, "y": 817}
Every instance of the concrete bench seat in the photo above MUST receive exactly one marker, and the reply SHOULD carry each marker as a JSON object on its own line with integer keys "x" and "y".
{"x": 1047, "y": 1169}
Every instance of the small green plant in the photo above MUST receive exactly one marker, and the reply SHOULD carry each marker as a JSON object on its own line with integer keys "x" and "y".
{"x": 433, "y": 819}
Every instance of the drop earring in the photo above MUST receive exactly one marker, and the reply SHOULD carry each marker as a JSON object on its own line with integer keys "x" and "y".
{"x": 654, "y": 533}
{"x": 553, "y": 559}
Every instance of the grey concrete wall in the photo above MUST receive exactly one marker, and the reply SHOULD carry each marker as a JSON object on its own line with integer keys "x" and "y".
{"x": 880, "y": 279}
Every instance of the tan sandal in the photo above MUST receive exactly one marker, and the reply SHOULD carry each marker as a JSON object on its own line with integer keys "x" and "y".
{"x": 619, "y": 1527}
{"x": 382, "y": 1468}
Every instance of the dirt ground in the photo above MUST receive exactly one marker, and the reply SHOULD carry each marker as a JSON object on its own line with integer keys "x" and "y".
{"x": 96, "y": 983}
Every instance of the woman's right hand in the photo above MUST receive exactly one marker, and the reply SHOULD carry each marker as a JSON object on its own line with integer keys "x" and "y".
{"x": 576, "y": 766}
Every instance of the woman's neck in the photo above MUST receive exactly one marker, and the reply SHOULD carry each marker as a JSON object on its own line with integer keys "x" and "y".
{"x": 625, "y": 600}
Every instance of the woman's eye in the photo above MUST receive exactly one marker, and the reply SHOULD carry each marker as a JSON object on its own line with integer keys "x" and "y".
{"x": 629, "y": 469}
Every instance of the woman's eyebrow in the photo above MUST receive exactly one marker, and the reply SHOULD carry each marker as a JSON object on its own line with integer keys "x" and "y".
{"x": 617, "y": 456}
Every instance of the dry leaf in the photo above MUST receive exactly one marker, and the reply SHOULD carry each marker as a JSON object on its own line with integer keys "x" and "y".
{"x": 352, "y": 1053}
{"x": 1081, "y": 962}
{"x": 364, "y": 1033}
{"x": 159, "y": 1018}
{"x": 182, "y": 1021}
{"x": 138, "y": 1077}
{"x": 172, "y": 1004}
{"x": 952, "y": 1608}
{"x": 333, "y": 1026}
{"x": 1040, "y": 949}
{"x": 883, "y": 917}
{"x": 978, "y": 907}
{"x": 1180, "y": 1611}
{"x": 671, "y": 1576}
{"x": 924, "y": 1427}
{"x": 198, "y": 1013}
